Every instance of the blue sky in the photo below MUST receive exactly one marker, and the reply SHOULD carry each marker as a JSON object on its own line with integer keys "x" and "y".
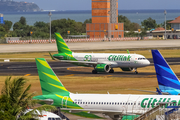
{"x": 123, "y": 4}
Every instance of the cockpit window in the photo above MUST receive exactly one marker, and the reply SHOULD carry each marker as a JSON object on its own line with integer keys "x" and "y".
{"x": 141, "y": 58}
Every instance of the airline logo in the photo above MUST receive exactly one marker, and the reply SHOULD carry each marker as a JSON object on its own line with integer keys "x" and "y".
{"x": 87, "y": 57}
{"x": 119, "y": 58}
{"x": 150, "y": 102}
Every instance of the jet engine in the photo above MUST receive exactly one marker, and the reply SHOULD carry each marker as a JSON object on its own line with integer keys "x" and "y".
{"x": 102, "y": 68}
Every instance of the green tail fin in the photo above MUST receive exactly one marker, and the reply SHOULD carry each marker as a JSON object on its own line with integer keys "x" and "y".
{"x": 50, "y": 84}
{"x": 61, "y": 45}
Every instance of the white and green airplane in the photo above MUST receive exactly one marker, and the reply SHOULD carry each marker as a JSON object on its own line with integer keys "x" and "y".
{"x": 102, "y": 62}
{"x": 113, "y": 105}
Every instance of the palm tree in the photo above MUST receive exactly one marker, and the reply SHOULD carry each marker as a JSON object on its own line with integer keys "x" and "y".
{"x": 14, "y": 100}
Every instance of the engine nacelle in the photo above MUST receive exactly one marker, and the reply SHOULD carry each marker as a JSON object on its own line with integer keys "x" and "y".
{"x": 102, "y": 68}
{"x": 127, "y": 69}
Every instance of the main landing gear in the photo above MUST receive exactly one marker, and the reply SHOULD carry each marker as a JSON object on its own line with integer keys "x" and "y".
{"x": 111, "y": 70}
{"x": 94, "y": 71}
{"x": 136, "y": 72}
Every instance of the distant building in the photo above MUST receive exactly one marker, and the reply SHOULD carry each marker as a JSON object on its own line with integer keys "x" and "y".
{"x": 105, "y": 20}
{"x": 174, "y": 33}
{"x": 1, "y": 19}
{"x": 175, "y": 24}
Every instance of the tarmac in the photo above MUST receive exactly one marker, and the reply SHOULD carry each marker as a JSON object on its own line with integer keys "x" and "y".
{"x": 120, "y": 45}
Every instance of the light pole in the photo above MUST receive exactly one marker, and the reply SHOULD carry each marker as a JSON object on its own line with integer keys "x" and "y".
{"x": 165, "y": 23}
{"x": 50, "y": 14}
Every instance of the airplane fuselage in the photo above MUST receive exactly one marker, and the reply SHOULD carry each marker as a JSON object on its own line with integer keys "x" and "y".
{"x": 114, "y": 60}
{"x": 137, "y": 104}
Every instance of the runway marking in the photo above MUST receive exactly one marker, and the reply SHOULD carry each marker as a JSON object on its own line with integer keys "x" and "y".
{"x": 70, "y": 75}
{"x": 27, "y": 75}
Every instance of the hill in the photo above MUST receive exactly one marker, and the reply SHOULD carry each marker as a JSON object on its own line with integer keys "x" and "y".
{"x": 12, "y": 6}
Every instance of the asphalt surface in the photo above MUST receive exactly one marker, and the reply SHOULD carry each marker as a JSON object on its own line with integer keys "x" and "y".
{"x": 61, "y": 68}
{"x": 120, "y": 45}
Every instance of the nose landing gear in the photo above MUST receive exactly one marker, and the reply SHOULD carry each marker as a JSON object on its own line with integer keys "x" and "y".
{"x": 136, "y": 72}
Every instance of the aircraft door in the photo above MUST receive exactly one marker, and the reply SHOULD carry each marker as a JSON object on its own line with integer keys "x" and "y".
{"x": 64, "y": 101}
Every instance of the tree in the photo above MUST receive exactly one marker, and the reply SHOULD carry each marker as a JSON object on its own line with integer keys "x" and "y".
{"x": 22, "y": 20}
{"x": 17, "y": 26}
{"x": 126, "y": 21}
{"x": 40, "y": 24}
{"x": 7, "y": 25}
{"x": 2, "y": 31}
{"x": 168, "y": 25}
{"x": 84, "y": 24}
{"x": 64, "y": 25}
{"x": 149, "y": 24}
{"x": 14, "y": 99}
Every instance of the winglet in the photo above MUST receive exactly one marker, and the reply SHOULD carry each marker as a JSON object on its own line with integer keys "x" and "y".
{"x": 128, "y": 51}
{"x": 51, "y": 56}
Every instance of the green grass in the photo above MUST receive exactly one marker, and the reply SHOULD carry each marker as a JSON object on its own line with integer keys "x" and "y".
{"x": 146, "y": 53}
{"x": 102, "y": 84}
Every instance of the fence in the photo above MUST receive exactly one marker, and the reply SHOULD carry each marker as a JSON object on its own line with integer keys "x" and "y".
{"x": 72, "y": 40}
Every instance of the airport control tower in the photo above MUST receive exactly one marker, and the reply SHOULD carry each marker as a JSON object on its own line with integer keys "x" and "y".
{"x": 105, "y": 20}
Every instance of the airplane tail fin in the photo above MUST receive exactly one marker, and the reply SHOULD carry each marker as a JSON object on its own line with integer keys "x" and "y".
{"x": 167, "y": 79}
{"x": 61, "y": 44}
{"x": 50, "y": 84}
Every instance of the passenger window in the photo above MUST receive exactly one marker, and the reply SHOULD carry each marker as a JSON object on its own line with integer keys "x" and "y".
{"x": 99, "y": 103}
{"x": 128, "y": 103}
{"x": 88, "y": 102}
{"x": 83, "y": 102}
{"x": 96, "y": 102}
{"x": 104, "y": 103}
{"x": 91, "y": 102}
{"x": 112, "y": 103}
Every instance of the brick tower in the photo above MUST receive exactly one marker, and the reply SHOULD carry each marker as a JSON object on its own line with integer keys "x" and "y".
{"x": 105, "y": 20}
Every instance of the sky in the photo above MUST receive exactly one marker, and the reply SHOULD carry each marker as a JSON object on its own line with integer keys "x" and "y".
{"x": 123, "y": 4}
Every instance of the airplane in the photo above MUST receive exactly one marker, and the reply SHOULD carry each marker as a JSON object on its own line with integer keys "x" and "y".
{"x": 112, "y": 105}
{"x": 102, "y": 62}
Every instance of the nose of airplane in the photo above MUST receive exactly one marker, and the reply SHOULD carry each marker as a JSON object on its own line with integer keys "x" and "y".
{"x": 146, "y": 62}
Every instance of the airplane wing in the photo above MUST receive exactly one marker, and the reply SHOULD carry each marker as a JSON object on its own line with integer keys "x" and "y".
{"x": 106, "y": 112}
{"x": 20, "y": 59}
{"x": 154, "y": 92}
{"x": 88, "y": 62}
